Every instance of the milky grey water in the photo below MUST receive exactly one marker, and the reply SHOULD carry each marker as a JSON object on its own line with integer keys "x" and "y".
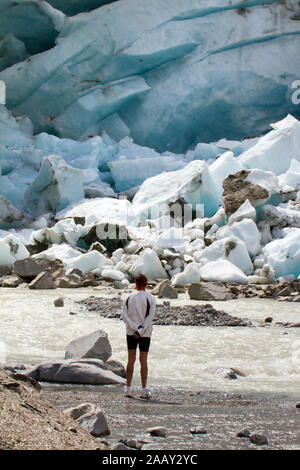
{"x": 33, "y": 330}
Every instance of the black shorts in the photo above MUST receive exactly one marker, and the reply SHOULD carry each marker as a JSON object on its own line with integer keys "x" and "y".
{"x": 144, "y": 343}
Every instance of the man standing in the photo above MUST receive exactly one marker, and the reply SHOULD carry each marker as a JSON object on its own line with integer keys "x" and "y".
{"x": 138, "y": 312}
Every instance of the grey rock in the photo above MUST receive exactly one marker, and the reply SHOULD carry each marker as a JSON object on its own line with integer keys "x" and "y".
{"x": 5, "y": 271}
{"x": 116, "y": 367}
{"x": 59, "y": 302}
{"x": 121, "y": 446}
{"x": 94, "y": 345}
{"x": 207, "y": 291}
{"x": 258, "y": 439}
{"x": 244, "y": 433}
{"x": 167, "y": 292}
{"x": 91, "y": 372}
{"x": 225, "y": 372}
{"x": 91, "y": 418}
{"x": 29, "y": 268}
{"x": 132, "y": 443}
{"x": 198, "y": 430}
{"x": 158, "y": 431}
{"x": 69, "y": 282}
{"x": 268, "y": 320}
{"x": 11, "y": 281}
{"x": 43, "y": 281}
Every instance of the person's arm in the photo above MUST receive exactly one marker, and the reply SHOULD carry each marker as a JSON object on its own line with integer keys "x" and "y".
{"x": 149, "y": 318}
{"x": 127, "y": 320}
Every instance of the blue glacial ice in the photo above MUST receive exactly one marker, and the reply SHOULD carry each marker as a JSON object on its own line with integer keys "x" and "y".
{"x": 159, "y": 68}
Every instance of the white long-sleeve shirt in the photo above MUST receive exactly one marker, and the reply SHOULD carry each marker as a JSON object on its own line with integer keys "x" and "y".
{"x": 134, "y": 313}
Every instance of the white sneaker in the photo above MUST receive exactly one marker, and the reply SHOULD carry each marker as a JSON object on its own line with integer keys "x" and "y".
{"x": 145, "y": 394}
{"x": 128, "y": 392}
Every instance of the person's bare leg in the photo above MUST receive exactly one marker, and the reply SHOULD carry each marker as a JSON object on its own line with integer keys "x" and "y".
{"x": 144, "y": 367}
{"x": 130, "y": 366}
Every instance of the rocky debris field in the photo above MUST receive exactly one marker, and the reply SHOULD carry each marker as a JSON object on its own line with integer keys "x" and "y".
{"x": 166, "y": 314}
{"x": 28, "y": 421}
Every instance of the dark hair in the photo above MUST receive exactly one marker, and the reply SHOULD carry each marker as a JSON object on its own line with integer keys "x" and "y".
{"x": 140, "y": 280}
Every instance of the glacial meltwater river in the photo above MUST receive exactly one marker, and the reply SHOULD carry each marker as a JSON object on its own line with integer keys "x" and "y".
{"x": 33, "y": 330}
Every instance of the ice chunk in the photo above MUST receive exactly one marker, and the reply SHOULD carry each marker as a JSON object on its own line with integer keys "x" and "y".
{"x": 11, "y": 51}
{"x": 12, "y": 249}
{"x": 173, "y": 238}
{"x": 247, "y": 231}
{"x": 113, "y": 275}
{"x": 190, "y": 186}
{"x": 245, "y": 211}
{"x": 231, "y": 249}
{"x": 149, "y": 264}
{"x": 225, "y": 165}
{"x": 130, "y": 173}
{"x": 56, "y": 186}
{"x": 9, "y": 215}
{"x": 222, "y": 271}
{"x": 118, "y": 211}
{"x": 191, "y": 274}
{"x": 284, "y": 254}
{"x": 275, "y": 150}
{"x": 290, "y": 180}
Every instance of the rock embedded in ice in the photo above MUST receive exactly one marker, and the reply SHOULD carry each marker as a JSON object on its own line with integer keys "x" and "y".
{"x": 247, "y": 231}
{"x": 232, "y": 249}
{"x": 225, "y": 165}
{"x": 222, "y": 271}
{"x": 284, "y": 255}
{"x": 149, "y": 264}
{"x": 238, "y": 189}
{"x": 12, "y": 249}
{"x": 11, "y": 51}
{"x": 181, "y": 192}
{"x": 56, "y": 186}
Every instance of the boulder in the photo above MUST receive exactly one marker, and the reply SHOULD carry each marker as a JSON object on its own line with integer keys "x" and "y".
{"x": 116, "y": 367}
{"x": 66, "y": 282}
{"x": 207, "y": 291}
{"x": 225, "y": 372}
{"x": 5, "y": 271}
{"x": 167, "y": 292}
{"x": 81, "y": 371}
{"x": 94, "y": 345}
{"x": 43, "y": 281}
{"x": 11, "y": 281}
{"x": 29, "y": 268}
{"x": 91, "y": 418}
{"x": 109, "y": 235}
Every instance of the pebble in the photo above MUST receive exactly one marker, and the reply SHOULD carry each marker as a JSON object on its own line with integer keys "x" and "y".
{"x": 198, "y": 430}
{"x": 244, "y": 433}
{"x": 158, "y": 431}
{"x": 258, "y": 439}
{"x": 59, "y": 302}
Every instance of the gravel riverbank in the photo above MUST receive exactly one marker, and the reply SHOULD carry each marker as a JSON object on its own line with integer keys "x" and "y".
{"x": 222, "y": 415}
{"x": 166, "y": 314}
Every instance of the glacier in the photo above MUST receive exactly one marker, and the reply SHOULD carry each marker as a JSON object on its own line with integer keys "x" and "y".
{"x": 129, "y": 116}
